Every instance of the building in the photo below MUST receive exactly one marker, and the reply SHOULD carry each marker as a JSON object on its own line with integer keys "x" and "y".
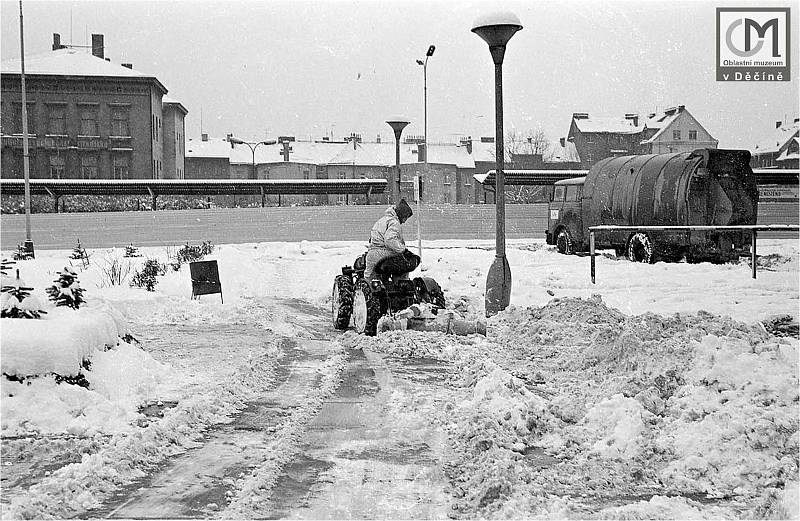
{"x": 89, "y": 118}
{"x": 778, "y": 149}
{"x": 674, "y": 130}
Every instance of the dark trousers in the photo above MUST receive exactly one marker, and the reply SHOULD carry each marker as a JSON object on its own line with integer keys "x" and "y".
{"x": 399, "y": 264}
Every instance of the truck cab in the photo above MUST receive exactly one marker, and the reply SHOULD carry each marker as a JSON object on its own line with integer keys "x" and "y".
{"x": 565, "y": 220}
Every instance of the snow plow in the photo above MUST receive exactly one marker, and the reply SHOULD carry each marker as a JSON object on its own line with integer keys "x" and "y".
{"x": 389, "y": 302}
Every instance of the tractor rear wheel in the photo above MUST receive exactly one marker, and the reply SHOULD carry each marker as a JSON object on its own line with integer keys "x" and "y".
{"x": 342, "y": 301}
{"x": 366, "y": 309}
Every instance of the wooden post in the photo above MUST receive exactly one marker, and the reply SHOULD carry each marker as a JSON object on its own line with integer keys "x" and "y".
{"x": 753, "y": 252}
{"x": 591, "y": 252}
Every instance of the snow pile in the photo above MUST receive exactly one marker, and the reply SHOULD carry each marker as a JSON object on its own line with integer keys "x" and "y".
{"x": 58, "y": 342}
{"x": 120, "y": 380}
{"x": 620, "y": 425}
{"x": 734, "y": 424}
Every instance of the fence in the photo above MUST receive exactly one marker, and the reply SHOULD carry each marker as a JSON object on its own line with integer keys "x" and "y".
{"x": 753, "y": 228}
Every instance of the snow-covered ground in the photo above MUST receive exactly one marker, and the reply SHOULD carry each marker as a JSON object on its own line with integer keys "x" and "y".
{"x": 655, "y": 392}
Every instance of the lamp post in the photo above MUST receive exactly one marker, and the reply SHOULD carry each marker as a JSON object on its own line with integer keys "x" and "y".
{"x": 25, "y": 160}
{"x": 253, "y": 146}
{"x": 424, "y": 65}
{"x": 496, "y": 29}
{"x": 397, "y": 124}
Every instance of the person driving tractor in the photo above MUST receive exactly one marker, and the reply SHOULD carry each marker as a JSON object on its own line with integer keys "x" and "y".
{"x": 386, "y": 244}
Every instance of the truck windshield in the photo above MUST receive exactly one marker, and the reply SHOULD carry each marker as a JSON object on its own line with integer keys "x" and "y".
{"x": 558, "y": 193}
{"x": 572, "y": 192}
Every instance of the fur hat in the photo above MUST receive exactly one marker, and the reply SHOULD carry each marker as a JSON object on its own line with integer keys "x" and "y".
{"x": 402, "y": 210}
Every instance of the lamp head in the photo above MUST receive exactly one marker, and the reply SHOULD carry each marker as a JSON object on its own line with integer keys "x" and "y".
{"x": 430, "y": 50}
{"x": 268, "y": 142}
{"x": 397, "y": 123}
{"x": 496, "y": 29}
{"x": 234, "y": 140}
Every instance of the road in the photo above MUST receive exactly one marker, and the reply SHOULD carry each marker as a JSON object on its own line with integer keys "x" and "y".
{"x": 244, "y": 225}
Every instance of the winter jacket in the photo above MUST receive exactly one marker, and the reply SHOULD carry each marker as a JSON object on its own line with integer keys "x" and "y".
{"x": 385, "y": 240}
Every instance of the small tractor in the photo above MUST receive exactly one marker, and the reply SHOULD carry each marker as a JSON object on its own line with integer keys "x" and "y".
{"x": 367, "y": 301}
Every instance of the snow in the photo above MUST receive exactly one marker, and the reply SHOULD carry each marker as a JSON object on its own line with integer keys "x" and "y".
{"x": 657, "y": 382}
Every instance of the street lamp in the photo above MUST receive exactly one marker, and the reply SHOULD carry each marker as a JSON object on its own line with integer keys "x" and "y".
{"x": 252, "y": 145}
{"x": 397, "y": 124}
{"x": 425, "y": 76}
{"x": 496, "y": 29}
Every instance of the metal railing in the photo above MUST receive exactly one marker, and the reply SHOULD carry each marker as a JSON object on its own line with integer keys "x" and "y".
{"x": 754, "y": 228}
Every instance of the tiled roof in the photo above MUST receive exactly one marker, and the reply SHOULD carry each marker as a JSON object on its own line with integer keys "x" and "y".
{"x": 778, "y": 139}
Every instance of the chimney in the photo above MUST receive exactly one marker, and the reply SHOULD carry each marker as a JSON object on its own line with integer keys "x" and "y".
{"x": 487, "y": 139}
{"x": 580, "y": 115}
{"x": 681, "y": 108}
{"x": 203, "y": 137}
{"x": 378, "y": 139}
{"x": 326, "y": 138}
{"x": 562, "y": 141}
{"x": 57, "y": 42}
{"x": 651, "y": 115}
{"x": 127, "y": 65}
{"x": 98, "y": 48}
{"x": 466, "y": 142}
{"x": 796, "y": 120}
{"x": 633, "y": 117}
{"x": 778, "y": 124}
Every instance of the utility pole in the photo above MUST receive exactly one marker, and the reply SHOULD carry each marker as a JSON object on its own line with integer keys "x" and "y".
{"x": 25, "y": 160}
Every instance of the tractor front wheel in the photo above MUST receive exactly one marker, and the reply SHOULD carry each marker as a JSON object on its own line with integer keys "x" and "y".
{"x": 640, "y": 248}
{"x": 342, "y": 301}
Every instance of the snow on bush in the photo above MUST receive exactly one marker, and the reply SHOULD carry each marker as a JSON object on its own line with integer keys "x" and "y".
{"x": 59, "y": 342}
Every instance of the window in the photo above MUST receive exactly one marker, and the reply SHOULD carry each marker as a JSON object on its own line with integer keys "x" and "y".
{"x": 57, "y": 164}
{"x": 558, "y": 193}
{"x": 692, "y": 135}
{"x": 89, "y": 166}
{"x": 31, "y": 117}
{"x": 119, "y": 122}
{"x": 446, "y": 180}
{"x": 572, "y": 193}
{"x": 88, "y": 121}
{"x": 57, "y": 120}
{"x": 121, "y": 167}
{"x": 676, "y": 135}
{"x": 306, "y": 174}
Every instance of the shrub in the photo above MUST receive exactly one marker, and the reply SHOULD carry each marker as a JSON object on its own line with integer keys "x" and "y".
{"x": 114, "y": 271}
{"x": 190, "y": 254}
{"x": 146, "y": 277}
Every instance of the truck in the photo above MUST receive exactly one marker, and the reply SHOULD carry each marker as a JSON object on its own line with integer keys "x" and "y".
{"x": 711, "y": 187}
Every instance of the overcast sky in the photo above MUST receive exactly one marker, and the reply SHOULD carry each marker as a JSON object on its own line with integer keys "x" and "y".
{"x": 315, "y": 68}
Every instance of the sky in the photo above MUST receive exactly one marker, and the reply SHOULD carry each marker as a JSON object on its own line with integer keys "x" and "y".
{"x": 329, "y": 68}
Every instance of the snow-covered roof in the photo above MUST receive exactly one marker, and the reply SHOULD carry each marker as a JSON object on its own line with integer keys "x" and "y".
{"x": 786, "y": 156}
{"x": 607, "y": 124}
{"x": 558, "y": 154}
{"x": 166, "y": 100}
{"x": 73, "y": 62}
{"x": 213, "y": 148}
{"x": 661, "y": 122}
{"x": 483, "y": 151}
{"x": 777, "y": 139}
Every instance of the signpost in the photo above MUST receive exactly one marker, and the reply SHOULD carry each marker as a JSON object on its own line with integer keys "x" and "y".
{"x": 417, "y": 190}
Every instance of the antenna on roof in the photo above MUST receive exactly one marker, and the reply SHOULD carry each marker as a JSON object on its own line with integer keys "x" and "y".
{"x": 70, "y": 25}
{"x": 201, "y": 120}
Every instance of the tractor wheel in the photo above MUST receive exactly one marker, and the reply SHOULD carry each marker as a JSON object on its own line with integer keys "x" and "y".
{"x": 342, "y": 301}
{"x": 564, "y": 242}
{"x": 366, "y": 310}
{"x": 640, "y": 248}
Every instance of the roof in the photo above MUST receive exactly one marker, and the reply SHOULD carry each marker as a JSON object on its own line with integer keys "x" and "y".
{"x": 73, "y": 62}
{"x": 786, "y": 156}
{"x": 662, "y": 123}
{"x": 213, "y": 148}
{"x": 777, "y": 139}
{"x": 193, "y": 187}
{"x": 166, "y": 100}
{"x": 529, "y": 177}
{"x": 607, "y": 125}
{"x": 330, "y": 153}
{"x": 558, "y": 154}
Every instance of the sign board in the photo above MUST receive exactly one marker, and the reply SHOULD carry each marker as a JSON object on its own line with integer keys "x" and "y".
{"x": 205, "y": 278}
{"x": 778, "y": 194}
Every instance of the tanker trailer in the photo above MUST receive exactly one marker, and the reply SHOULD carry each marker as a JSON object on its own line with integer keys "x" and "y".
{"x": 704, "y": 187}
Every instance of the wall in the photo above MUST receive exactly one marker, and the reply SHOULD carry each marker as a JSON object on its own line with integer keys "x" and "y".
{"x": 665, "y": 143}
{"x": 174, "y": 141}
{"x": 207, "y": 168}
{"x": 98, "y": 93}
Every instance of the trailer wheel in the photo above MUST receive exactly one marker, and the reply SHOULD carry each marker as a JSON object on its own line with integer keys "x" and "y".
{"x": 640, "y": 248}
{"x": 564, "y": 242}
